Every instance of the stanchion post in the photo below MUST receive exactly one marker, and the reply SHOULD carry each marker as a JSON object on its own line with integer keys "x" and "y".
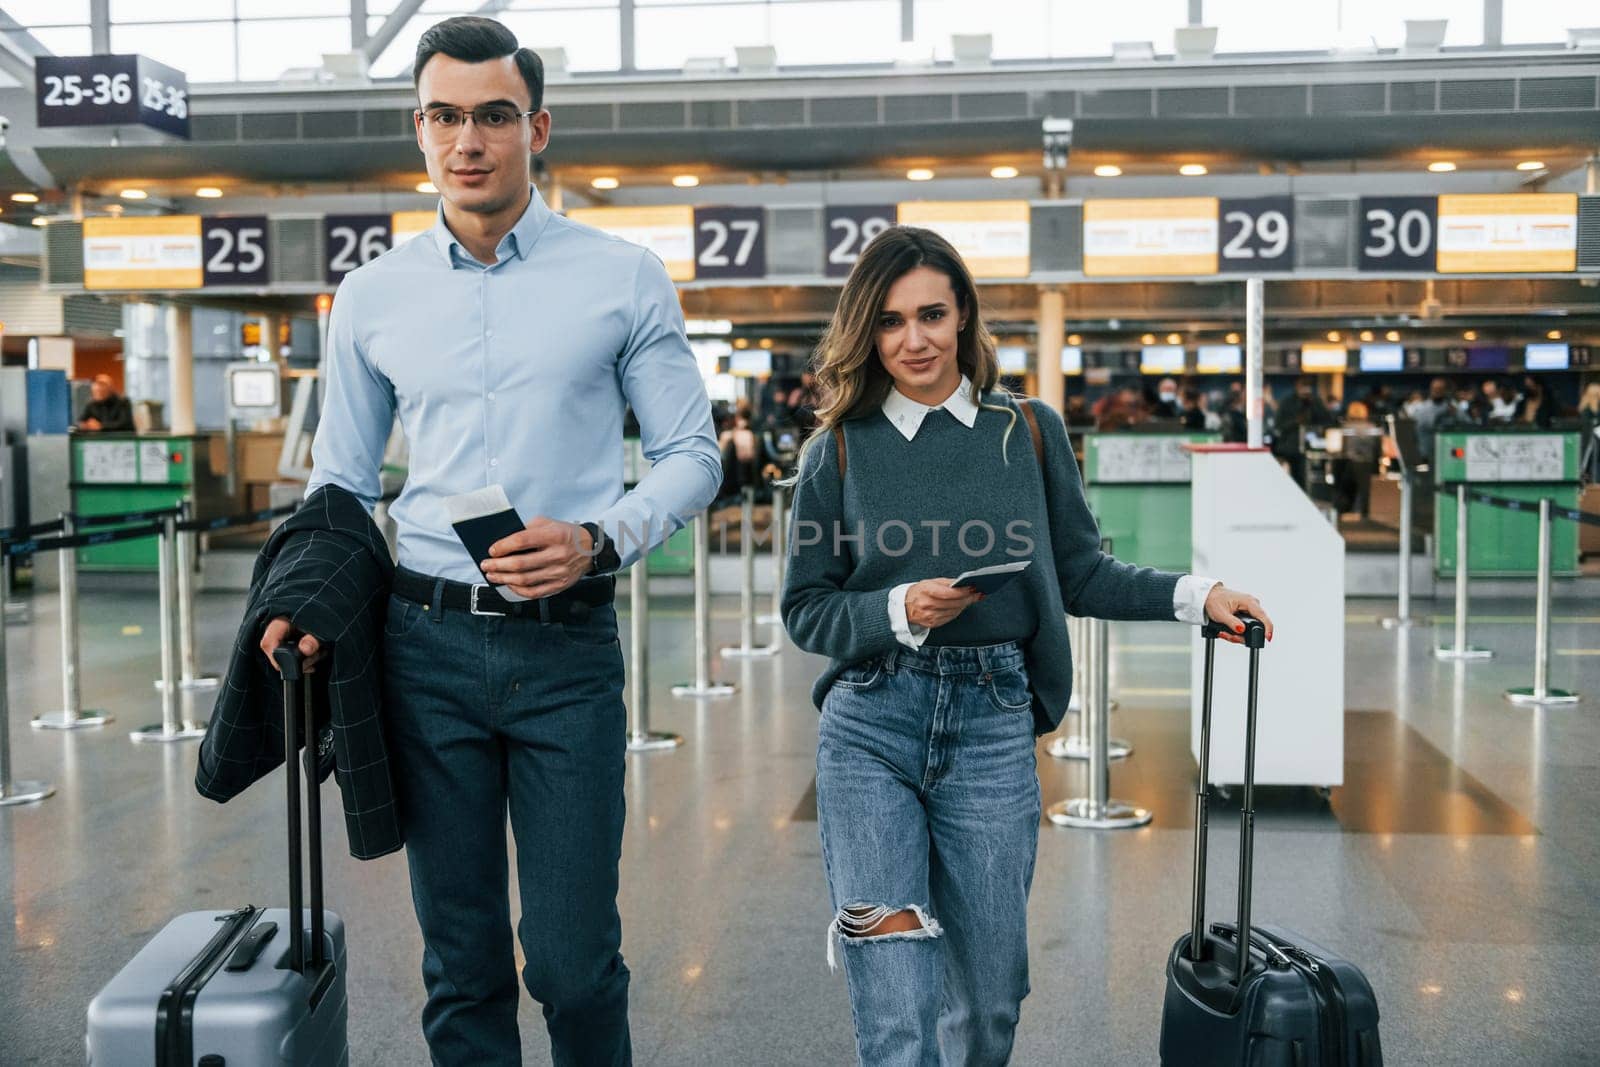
{"x": 747, "y": 647}
{"x": 170, "y": 728}
{"x": 1540, "y": 692}
{"x": 702, "y": 686}
{"x": 780, "y": 558}
{"x": 1402, "y": 616}
{"x": 11, "y": 792}
{"x": 186, "y": 546}
{"x": 1461, "y": 650}
{"x": 640, "y": 737}
{"x": 1096, "y": 687}
{"x": 71, "y": 716}
{"x": 1097, "y": 810}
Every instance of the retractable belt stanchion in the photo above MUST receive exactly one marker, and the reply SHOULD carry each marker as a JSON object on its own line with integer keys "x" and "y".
{"x": 780, "y": 558}
{"x": 71, "y": 716}
{"x": 184, "y": 550}
{"x": 11, "y": 792}
{"x": 747, "y": 647}
{"x": 170, "y": 728}
{"x": 1461, "y": 650}
{"x": 1402, "y": 615}
{"x": 640, "y": 737}
{"x": 1078, "y": 744}
{"x": 1098, "y": 811}
{"x": 702, "y": 686}
{"x": 1540, "y": 692}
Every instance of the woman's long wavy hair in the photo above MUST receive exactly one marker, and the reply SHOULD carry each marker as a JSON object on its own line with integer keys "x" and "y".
{"x": 851, "y": 381}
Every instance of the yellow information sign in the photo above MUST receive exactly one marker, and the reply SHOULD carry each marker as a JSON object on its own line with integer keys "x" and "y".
{"x": 991, "y": 235}
{"x": 404, "y": 225}
{"x": 1510, "y": 232}
{"x": 1150, "y": 237}
{"x": 161, "y": 252}
{"x": 666, "y": 230}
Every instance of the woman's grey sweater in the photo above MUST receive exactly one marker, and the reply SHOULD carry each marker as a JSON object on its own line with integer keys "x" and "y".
{"x": 946, "y": 502}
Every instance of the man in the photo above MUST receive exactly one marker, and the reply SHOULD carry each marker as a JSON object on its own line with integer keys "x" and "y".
{"x": 1429, "y": 414}
{"x": 509, "y": 341}
{"x": 1167, "y": 405}
{"x": 1300, "y": 412}
{"x": 106, "y": 410}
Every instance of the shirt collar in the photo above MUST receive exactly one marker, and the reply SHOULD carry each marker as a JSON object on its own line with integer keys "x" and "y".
{"x": 518, "y": 242}
{"x": 906, "y": 414}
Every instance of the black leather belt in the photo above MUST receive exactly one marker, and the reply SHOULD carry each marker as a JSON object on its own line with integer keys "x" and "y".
{"x": 573, "y": 603}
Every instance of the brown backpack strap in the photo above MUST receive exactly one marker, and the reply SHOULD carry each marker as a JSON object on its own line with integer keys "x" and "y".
{"x": 1033, "y": 430}
{"x": 838, "y": 442}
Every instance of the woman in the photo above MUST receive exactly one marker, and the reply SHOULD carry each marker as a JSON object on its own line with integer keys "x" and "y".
{"x": 927, "y": 798}
{"x": 1589, "y": 412}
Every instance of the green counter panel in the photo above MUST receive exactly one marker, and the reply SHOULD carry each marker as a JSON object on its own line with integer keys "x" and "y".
{"x": 116, "y": 500}
{"x": 1521, "y": 465}
{"x": 1137, "y": 486}
{"x": 117, "y": 473}
{"x": 675, "y": 555}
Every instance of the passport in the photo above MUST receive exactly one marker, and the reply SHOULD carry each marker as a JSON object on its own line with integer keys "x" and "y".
{"x": 480, "y": 518}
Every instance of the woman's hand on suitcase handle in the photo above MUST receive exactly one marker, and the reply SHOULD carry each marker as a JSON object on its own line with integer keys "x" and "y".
{"x": 282, "y": 629}
{"x": 1221, "y": 605}
{"x": 934, "y": 602}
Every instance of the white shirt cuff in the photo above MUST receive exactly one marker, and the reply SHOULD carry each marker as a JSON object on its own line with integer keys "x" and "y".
{"x": 907, "y": 634}
{"x": 1189, "y": 598}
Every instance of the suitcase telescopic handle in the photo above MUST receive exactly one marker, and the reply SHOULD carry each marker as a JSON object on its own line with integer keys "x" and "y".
{"x": 1254, "y": 639}
{"x": 299, "y": 712}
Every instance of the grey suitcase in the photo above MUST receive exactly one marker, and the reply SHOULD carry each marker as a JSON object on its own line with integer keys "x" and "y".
{"x": 239, "y": 988}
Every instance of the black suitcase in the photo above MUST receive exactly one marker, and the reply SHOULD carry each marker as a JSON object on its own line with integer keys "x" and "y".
{"x": 240, "y": 988}
{"x": 1284, "y": 1000}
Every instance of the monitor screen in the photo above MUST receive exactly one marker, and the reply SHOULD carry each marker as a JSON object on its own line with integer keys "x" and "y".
{"x": 1383, "y": 357}
{"x": 1219, "y": 359}
{"x": 750, "y": 363}
{"x": 1161, "y": 359}
{"x": 1071, "y": 359}
{"x": 254, "y": 388}
{"x": 1552, "y": 356}
{"x": 1321, "y": 357}
{"x": 1013, "y": 359}
{"x": 1493, "y": 358}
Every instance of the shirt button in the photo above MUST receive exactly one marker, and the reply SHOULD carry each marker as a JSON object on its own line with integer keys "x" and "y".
{"x": 491, "y": 396}
{"x": 488, "y": 333}
{"x": 494, "y": 463}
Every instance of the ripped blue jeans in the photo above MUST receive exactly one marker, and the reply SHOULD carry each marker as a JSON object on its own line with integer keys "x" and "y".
{"x": 928, "y": 803}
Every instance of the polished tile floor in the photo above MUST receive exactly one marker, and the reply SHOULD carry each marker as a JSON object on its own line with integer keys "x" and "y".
{"x": 1459, "y": 865}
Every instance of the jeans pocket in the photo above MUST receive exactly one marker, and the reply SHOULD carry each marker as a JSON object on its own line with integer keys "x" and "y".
{"x": 1009, "y": 690}
{"x": 403, "y": 616}
{"x": 861, "y": 676}
{"x": 597, "y": 629}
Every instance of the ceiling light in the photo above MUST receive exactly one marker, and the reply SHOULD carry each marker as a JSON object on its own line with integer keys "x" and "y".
{"x": 1174, "y": 339}
{"x": 40, "y": 220}
{"x": 1148, "y": 339}
{"x": 1392, "y": 335}
{"x": 1003, "y": 172}
{"x": 25, "y": 198}
{"x": 1366, "y": 335}
{"x": 1442, "y": 167}
{"x": 686, "y": 181}
{"x": 427, "y": 187}
{"x": 741, "y": 342}
{"x": 1335, "y": 335}
{"x": 1232, "y": 338}
{"x": 208, "y": 192}
{"x": 919, "y": 174}
{"x": 1526, "y": 164}
{"x": 605, "y": 183}
{"x": 766, "y": 342}
{"x": 1192, "y": 170}
{"x": 1108, "y": 170}
{"x": 134, "y": 194}
{"x": 1470, "y": 335}
{"x": 1074, "y": 339}
{"x": 1554, "y": 335}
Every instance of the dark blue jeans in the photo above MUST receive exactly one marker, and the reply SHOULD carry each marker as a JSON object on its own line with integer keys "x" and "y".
{"x": 486, "y": 715}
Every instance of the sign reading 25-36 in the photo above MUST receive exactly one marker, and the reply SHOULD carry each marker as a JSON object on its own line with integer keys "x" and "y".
{"x": 111, "y": 91}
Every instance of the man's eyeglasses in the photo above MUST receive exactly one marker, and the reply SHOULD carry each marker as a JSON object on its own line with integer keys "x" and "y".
{"x": 492, "y": 120}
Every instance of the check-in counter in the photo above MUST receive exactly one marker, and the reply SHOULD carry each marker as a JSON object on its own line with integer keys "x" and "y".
{"x": 1138, "y": 488}
{"x": 114, "y": 473}
{"x": 1515, "y": 463}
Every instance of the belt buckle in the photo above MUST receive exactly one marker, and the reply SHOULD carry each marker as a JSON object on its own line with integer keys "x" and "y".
{"x": 472, "y": 605}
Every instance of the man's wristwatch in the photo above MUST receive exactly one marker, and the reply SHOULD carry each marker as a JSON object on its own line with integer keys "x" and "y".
{"x": 603, "y": 556}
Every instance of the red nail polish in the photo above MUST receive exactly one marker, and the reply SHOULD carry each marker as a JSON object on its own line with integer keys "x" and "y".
{"x": 1238, "y": 629}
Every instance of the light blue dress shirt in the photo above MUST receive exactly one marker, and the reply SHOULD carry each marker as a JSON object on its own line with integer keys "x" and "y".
{"x": 516, "y": 374}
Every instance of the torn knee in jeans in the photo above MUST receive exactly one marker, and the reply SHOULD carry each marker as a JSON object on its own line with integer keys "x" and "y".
{"x": 870, "y": 923}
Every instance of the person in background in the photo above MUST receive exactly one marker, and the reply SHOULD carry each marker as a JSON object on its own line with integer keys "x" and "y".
{"x": 1536, "y": 407}
{"x": 1167, "y": 405}
{"x": 1429, "y": 412}
{"x": 1502, "y": 402}
{"x": 1194, "y": 414}
{"x": 1235, "y": 424}
{"x": 1379, "y": 402}
{"x": 1359, "y": 462}
{"x": 741, "y": 454}
{"x": 1300, "y": 412}
{"x": 1589, "y": 412}
{"x": 107, "y": 410}
{"x": 801, "y": 403}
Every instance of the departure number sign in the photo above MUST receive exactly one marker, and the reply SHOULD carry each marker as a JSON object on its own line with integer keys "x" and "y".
{"x": 1398, "y": 233}
{"x": 111, "y": 91}
{"x": 235, "y": 250}
{"x": 848, "y": 230}
{"x": 730, "y": 242}
{"x": 1257, "y": 234}
{"x": 351, "y": 241}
